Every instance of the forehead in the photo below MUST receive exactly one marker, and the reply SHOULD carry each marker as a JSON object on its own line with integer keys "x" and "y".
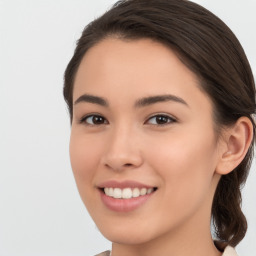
{"x": 134, "y": 68}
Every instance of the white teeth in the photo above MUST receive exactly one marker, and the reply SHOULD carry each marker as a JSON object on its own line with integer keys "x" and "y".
{"x": 150, "y": 190}
{"x": 143, "y": 191}
{"x": 106, "y": 190}
{"x": 117, "y": 193}
{"x": 111, "y": 191}
{"x": 127, "y": 193}
{"x": 136, "y": 192}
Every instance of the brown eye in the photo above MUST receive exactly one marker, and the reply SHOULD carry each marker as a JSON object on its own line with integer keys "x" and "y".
{"x": 160, "y": 120}
{"x": 94, "y": 120}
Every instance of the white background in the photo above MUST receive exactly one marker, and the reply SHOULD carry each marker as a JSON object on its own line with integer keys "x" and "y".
{"x": 40, "y": 209}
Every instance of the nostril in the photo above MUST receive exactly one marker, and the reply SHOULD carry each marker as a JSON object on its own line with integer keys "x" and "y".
{"x": 119, "y": 167}
{"x": 121, "y": 161}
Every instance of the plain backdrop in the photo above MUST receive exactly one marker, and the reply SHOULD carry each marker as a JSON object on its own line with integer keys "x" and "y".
{"x": 40, "y": 210}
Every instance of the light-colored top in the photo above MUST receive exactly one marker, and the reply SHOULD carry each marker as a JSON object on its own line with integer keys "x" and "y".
{"x": 229, "y": 251}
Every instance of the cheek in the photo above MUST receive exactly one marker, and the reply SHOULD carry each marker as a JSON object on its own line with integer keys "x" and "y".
{"x": 183, "y": 152}
{"x": 84, "y": 157}
{"x": 186, "y": 166}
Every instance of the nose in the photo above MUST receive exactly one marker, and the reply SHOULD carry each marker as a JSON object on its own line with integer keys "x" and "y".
{"x": 122, "y": 150}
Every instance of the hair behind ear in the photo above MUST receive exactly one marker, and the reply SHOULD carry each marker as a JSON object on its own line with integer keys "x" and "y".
{"x": 228, "y": 218}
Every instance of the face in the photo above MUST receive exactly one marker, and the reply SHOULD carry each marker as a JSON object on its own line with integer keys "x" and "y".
{"x": 143, "y": 148}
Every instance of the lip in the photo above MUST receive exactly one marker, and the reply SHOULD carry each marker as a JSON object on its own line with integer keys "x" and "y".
{"x": 123, "y": 205}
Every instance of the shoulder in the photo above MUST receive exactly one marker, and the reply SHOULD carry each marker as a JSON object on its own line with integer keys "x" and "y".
{"x": 229, "y": 251}
{"x": 106, "y": 253}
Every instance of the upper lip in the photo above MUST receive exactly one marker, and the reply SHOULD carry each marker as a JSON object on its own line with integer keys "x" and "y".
{"x": 123, "y": 184}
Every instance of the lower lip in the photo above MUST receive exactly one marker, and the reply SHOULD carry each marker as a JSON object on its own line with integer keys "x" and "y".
{"x": 124, "y": 205}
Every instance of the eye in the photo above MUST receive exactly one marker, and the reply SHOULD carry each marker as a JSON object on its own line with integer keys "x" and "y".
{"x": 94, "y": 120}
{"x": 160, "y": 120}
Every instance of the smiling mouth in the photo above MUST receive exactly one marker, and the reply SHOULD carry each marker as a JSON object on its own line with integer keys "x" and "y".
{"x": 127, "y": 193}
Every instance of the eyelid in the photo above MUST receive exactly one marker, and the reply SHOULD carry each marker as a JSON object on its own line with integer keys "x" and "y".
{"x": 170, "y": 117}
{"x": 82, "y": 120}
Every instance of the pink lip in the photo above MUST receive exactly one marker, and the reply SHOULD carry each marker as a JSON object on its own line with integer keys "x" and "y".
{"x": 123, "y": 205}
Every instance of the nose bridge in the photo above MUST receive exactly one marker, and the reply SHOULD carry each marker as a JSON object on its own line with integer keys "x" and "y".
{"x": 122, "y": 147}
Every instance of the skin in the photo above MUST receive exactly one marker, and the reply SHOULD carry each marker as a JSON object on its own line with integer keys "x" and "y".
{"x": 183, "y": 157}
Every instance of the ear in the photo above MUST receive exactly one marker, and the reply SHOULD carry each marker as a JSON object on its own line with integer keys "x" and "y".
{"x": 234, "y": 145}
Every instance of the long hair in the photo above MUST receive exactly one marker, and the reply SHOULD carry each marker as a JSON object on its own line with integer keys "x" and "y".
{"x": 209, "y": 49}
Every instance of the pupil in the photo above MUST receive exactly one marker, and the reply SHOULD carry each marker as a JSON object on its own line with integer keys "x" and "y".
{"x": 98, "y": 120}
{"x": 161, "y": 120}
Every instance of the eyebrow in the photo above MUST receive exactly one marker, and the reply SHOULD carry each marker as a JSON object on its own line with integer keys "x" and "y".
{"x": 92, "y": 99}
{"x": 159, "y": 98}
{"x": 143, "y": 102}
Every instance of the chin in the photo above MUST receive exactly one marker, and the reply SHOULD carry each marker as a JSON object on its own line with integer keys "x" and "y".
{"x": 127, "y": 238}
{"x": 126, "y": 234}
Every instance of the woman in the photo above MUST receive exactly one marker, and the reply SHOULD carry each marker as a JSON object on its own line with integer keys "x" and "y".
{"x": 161, "y": 99}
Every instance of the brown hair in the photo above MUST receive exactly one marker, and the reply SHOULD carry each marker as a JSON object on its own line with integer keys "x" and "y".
{"x": 210, "y": 49}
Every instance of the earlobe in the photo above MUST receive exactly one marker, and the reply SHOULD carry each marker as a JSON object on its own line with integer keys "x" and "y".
{"x": 236, "y": 142}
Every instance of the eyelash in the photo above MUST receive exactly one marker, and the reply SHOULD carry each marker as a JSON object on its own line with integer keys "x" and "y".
{"x": 161, "y": 117}
{"x": 168, "y": 119}
{"x": 83, "y": 120}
